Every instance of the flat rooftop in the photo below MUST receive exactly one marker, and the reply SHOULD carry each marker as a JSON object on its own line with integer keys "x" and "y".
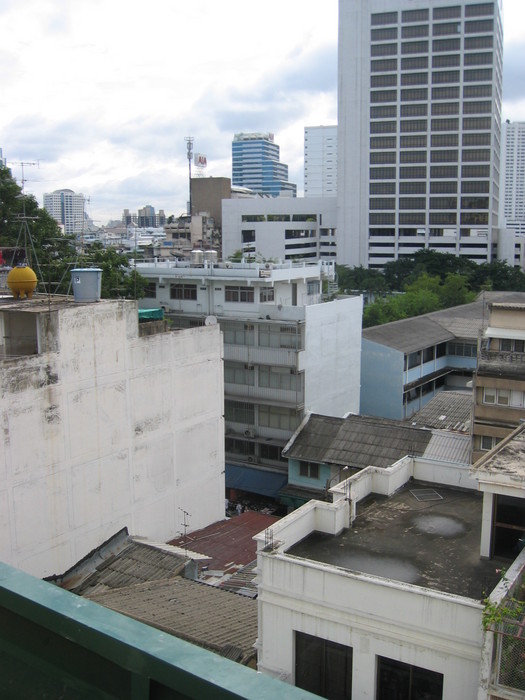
{"x": 425, "y": 535}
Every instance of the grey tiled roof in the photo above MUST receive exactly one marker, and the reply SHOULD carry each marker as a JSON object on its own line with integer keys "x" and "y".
{"x": 136, "y": 563}
{"x": 463, "y": 322}
{"x": 356, "y": 441}
{"x": 213, "y": 618}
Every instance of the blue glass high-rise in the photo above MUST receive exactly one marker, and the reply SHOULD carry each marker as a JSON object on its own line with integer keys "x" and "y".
{"x": 256, "y": 165}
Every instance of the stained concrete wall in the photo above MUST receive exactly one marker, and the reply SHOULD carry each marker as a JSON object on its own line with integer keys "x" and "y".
{"x": 103, "y": 429}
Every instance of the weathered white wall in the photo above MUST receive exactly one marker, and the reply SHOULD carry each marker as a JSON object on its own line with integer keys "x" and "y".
{"x": 332, "y": 357}
{"x": 374, "y": 616}
{"x": 107, "y": 430}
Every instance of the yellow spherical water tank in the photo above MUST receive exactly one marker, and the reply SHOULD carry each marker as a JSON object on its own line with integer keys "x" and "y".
{"x": 22, "y": 282}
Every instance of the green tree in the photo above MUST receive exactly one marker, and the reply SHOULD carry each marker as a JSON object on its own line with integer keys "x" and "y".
{"x": 29, "y": 234}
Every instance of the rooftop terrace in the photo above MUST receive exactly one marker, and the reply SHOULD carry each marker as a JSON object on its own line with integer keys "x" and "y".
{"x": 426, "y": 536}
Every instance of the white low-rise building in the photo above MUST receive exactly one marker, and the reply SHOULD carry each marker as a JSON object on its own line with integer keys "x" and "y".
{"x": 103, "y": 429}
{"x": 280, "y": 228}
{"x": 389, "y": 590}
{"x": 285, "y": 352}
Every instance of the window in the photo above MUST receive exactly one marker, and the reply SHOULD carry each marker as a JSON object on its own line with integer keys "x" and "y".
{"x": 383, "y": 34}
{"x": 382, "y": 173}
{"x": 237, "y": 373}
{"x": 383, "y": 80}
{"x": 445, "y": 108}
{"x": 481, "y": 26}
{"x": 446, "y": 45}
{"x": 387, "y": 219}
{"x": 477, "y": 107}
{"x": 239, "y": 412}
{"x": 248, "y": 236}
{"x": 309, "y": 470}
{"x": 384, "y": 112}
{"x": 284, "y": 378}
{"x": 412, "y": 202}
{"x": 486, "y": 8}
{"x": 413, "y": 360}
{"x": 414, "y": 63}
{"x": 414, "y": 47}
{"x": 445, "y": 76}
{"x": 446, "y": 28}
{"x": 468, "y": 186}
{"x": 444, "y": 156}
{"x": 412, "y": 125}
{"x": 511, "y": 345}
{"x": 474, "y": 202}
{"x": 379, "y": 18}
{"x": 414, "y": 94}
{"x": 475, "y": 171}
{"x": 476, "y": 75}
{"x": 489, "y": 395}
{"x": 414, "y": 219}
{"x": 444, "y": 140}
{"x": 412, "y": 187}
{"x": 414, "y": 172}
{"x": 239, "y": 447}
{"x": 253, "y": 217}
{"x": 383, "y": 142}
{"x": 445, "y": 60}
{"x": 274, "y": 336}
{"x": 445, "y": 124}
{"x": 304, "y": 217}
{"x": 266, "y": 294}
{"x": 428, "y": 354}
{"x": 278, "y": 217}
{"x": 383, "y": 50}
{"x": 443, "y": 202}
{"x": 437, "y": 187}
{"x": 446, "y": 12}
{"x": 413, "y": 156}
{"x": 383, "y": 65}
{"x": 462, "y": 349}
{"x": 417, "y": 110}
{"x": 476, "y": 139}
{"x": 414, "y": 79}
{"x": 443, "y": 171}
{"x": 442, "y": 218}
{"x": 414, "y": 31}
{"x": 477, "y": 91}
{"x": 414, "y": 16}
{"x": 323, "y": 667}
{"x": 238, "y": 333}
{"x": 487, "y": 442}
{"x": 382, "y": 188}
{"x": 478, "y": 219}
{"x": 479, "y": 42}
{"x": 383, "y": 96}
{"x": 313, "y": 287}
{"x": 380, "y": 157}
{"x": 239, "y": 294}
{"x": 419, "y": 141}
{"x": 183, "y": 291}
{"x": 388, "y": 203}
{"x": 478, "y": 59}
{"x": 150, "y": 290}
{"x": 278, "y": 418}
{"x": 399, "y": 680}
{"x": 445, "y": 93}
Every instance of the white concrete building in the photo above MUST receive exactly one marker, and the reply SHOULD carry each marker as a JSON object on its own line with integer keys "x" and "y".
{"x": 512, "y": 186}
{"x": 103, "y": 429}
{"x": 320, "y": 161}
{"x": 280, "y": 228}
{"x": 284, "y": 352}
{"x": 381, "y": 593}
{"x": 68, "y": 210}
{"x": 419, "y": 111}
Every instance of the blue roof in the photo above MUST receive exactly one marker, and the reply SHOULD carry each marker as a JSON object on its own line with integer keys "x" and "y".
{"x": 264, "y": 483}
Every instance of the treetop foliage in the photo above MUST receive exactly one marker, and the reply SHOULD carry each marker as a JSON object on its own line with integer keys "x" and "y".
{"x": 29, "y": 234}
{"x": 426, "y": 281}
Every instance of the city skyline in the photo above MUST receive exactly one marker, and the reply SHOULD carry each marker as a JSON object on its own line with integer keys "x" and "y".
{"x": 106, "y": 112}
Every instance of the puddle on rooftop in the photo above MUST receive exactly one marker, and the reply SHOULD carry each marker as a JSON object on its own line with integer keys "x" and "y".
{"x": 441, "y": 525}
{"x": 387, "y": 567}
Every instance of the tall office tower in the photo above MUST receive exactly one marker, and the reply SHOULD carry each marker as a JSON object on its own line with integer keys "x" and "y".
{"x": 512, "y": 185}
{"x": 67, "y": 208}
{"x": 320, "y": 161}
{"x": 256, "y": 165}
{"x": 420, "y": 86}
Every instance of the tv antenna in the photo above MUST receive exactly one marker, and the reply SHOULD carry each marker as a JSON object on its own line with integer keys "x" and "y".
{"x": 189, "y": 152}
{"x": 185, "y": 525}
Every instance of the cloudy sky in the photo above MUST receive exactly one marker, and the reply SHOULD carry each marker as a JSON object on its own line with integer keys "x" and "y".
{"x": 102, "y": 93}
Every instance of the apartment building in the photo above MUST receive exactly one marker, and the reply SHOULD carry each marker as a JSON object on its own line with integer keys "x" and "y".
{"x": 419, "y": 116}
{"x": 499, "y": 380}
{"x": 320, "y": 161}
{"x": 405, "y": 363}
{"x": 285, "y": 352}
{"x": 281, "y": 228}
{"x": 68, "y": 210}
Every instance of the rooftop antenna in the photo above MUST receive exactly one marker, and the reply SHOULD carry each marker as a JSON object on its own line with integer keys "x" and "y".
{"x": 185, "y": 525}
{"x": 24, "y": 225}
{"x": 189, "y": 151}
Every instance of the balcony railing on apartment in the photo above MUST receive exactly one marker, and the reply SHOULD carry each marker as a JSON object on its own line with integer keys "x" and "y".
{"x": 55, "y": 644}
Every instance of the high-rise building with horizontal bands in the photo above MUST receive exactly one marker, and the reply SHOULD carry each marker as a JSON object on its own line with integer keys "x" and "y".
{"x": 320, "y": 161}
{"x": 420, "y": 85}
{"x": 256, "y": 165}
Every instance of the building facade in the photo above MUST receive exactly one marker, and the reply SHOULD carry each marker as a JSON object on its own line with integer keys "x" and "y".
{"x": 68, "y": 210}
{"x": 256, "y": 165}
{"x": 418, "y": 129}
{"x": 499, "y": 381}
{"x": 146, "y": 217}
{"x": 512, "y": 184}
{"x": 280, "y": 228}
{"x": 284, "y": 352}
{"x": 107, "y": 429}
{"x": 320, "y": 161}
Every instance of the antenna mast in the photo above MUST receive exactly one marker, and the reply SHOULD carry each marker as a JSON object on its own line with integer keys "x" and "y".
{"x": 189, "y": 151}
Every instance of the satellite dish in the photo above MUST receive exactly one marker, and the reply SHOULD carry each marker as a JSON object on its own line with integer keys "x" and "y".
{"x": 210, "y": 321}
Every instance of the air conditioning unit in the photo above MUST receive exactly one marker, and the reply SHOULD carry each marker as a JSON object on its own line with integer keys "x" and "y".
{"x": 249, "y": 434}
{"x": 251, "y": 459}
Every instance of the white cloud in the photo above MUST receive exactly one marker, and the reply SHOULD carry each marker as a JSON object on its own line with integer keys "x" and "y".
{"x": 103, "y": 92}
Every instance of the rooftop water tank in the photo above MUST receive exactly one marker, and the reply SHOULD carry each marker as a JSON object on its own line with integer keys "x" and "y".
{"x": 196, "y": 256}
{"x": 22, "y": 282}
{"x": 86, "y": 283}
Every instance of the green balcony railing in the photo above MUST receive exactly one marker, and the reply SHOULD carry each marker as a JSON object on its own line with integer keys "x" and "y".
{"x": 54, "y": 644}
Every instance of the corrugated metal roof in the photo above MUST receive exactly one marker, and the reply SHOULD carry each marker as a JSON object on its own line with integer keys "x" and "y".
{"x": 465, "y": 322}
{"x": 213, "y": 618}
{"x": 447, "y": 410}
{"x": 357, "y": 441}
{"x": 445, "y": 446}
